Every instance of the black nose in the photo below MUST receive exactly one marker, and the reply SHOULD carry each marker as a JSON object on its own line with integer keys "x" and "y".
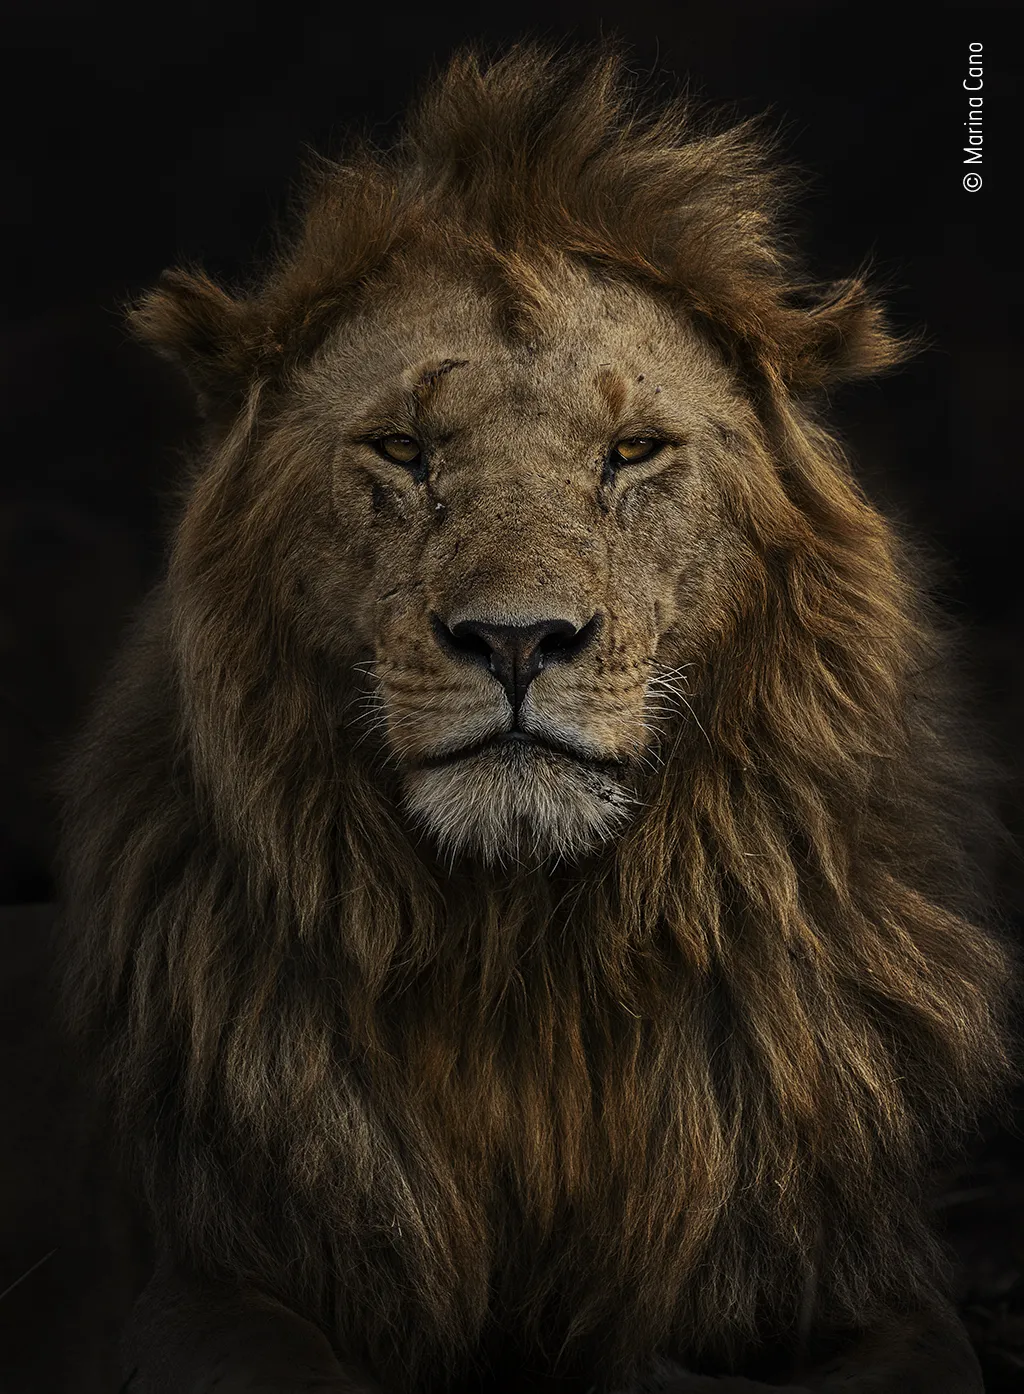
{"x": 515, "y": 653}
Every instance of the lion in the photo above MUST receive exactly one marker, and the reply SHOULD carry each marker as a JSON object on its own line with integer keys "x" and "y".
{"x": 520, "y": 875}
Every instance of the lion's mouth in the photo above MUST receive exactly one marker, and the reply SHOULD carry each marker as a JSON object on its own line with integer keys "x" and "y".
{"x": 524, "y": 746}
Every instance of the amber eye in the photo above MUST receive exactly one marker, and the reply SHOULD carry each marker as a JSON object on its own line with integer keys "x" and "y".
{"x": 403, "y": 450}
{"x": 635, "y": 449}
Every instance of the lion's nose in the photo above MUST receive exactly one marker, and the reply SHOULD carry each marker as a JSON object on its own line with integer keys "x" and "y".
{"x": 515, "y": 653}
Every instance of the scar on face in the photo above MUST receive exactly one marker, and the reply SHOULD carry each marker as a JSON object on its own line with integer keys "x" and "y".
{"x": 430, "y": 377}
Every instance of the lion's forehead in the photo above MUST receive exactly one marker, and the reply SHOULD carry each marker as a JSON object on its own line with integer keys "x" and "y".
{"x": 597, "y": 350}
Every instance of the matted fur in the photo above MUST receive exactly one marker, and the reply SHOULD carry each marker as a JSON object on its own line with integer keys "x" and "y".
{"x": 652, "y": 1101}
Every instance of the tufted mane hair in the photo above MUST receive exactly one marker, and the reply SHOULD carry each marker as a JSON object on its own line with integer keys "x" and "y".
{"x": 509, "y": 166}
{"x": 788, "y": 944}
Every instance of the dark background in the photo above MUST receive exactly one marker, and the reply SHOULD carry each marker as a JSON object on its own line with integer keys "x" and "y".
{"x": 139, "y": 137}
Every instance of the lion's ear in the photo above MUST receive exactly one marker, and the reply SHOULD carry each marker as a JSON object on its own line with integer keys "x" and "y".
{"x": 190, "y": 320}
{"x": 842, "y": 337}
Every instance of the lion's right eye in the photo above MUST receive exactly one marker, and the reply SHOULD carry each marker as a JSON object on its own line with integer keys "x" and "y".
{"x": 402, "y": 450}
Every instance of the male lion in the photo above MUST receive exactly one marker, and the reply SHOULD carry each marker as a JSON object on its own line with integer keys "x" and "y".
{"x": 519, "y": 874}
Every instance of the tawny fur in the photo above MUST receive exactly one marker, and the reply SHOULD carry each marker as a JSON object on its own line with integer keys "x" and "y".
{"x": 644, "y": 1100}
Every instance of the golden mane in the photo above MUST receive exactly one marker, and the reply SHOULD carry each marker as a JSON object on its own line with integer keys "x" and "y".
{"x": 535, "y": 156}
{"x": 788, "y": 944}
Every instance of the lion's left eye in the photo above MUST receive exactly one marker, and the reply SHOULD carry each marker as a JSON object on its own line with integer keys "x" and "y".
{"x": 635, "y": 449}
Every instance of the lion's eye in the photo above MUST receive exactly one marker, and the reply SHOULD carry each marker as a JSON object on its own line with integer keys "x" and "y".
{"x": 635, "y": 449}
{"x": 403, "y": 450}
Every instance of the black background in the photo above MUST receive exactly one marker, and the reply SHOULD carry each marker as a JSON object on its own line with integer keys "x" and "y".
{"x": 136, "y": 138}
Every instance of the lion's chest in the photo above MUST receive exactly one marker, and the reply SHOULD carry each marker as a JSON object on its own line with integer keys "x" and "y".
{"x": 562, "y": 1180}
{"x": 540, "y": 1154}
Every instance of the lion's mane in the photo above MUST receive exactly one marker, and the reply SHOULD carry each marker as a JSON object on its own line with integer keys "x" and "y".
{"x": 658, "y": 1098}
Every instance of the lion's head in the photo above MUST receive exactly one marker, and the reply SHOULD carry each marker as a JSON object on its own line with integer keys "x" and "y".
{"x": 527, "y": 532}
{"x": 503, "y": 389}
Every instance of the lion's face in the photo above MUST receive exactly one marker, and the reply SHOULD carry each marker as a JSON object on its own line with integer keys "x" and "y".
{"x": 533, "y": 543}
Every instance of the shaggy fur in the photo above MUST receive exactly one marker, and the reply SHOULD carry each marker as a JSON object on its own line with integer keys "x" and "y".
{"x": 672, "y": 1093}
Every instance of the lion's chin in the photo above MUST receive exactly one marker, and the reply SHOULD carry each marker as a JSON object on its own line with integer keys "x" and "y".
{"x": 518, "y": 805}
